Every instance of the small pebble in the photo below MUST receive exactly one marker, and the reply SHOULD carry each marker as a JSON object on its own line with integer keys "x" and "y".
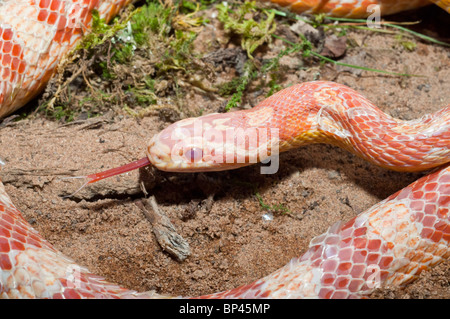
{"x": 334, "y": 175}
{"x": 267, "y": 217}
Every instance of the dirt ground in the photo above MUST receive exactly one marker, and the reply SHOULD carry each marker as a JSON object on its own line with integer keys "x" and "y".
{"x": 219, "y": 214}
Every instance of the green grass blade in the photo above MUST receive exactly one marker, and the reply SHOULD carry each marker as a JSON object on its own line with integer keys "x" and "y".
{"x": 363, "y": 67}
{"x": 414, "y": 33}
{"x": 417, "y": 34}
{"x": 346, "y": 64}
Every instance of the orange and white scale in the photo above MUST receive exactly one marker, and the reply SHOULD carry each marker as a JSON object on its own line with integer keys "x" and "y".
{"x": 34, "y": 36}
{"x": 390, "y": 243}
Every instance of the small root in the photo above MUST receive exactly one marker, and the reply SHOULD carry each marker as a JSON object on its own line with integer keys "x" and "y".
{"x": 165, "y": 232}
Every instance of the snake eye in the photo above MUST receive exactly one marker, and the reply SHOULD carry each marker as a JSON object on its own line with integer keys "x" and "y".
{"x": 194, "y": 154}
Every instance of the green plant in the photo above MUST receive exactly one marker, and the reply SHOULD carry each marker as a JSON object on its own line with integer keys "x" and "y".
{"x": 253, "y": 33}
{"x": 278, "y": 208}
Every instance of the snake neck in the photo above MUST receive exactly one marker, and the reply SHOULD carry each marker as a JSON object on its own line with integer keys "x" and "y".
{"x": 326, "y": 112}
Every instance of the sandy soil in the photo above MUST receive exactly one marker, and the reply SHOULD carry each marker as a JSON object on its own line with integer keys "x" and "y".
{"x": 219, "y": 214}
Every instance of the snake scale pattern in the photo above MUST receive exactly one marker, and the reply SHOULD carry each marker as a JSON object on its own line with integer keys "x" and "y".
{"x": 390, "y": 243}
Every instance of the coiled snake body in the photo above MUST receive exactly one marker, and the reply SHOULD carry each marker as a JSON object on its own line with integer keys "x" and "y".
{"x": 390, "y": 243}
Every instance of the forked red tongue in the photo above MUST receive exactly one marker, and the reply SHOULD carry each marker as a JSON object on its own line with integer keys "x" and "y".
{"x": 118, "y": 170}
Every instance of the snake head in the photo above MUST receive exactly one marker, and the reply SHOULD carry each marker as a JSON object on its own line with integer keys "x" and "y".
{"x": 209, "y": 143}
